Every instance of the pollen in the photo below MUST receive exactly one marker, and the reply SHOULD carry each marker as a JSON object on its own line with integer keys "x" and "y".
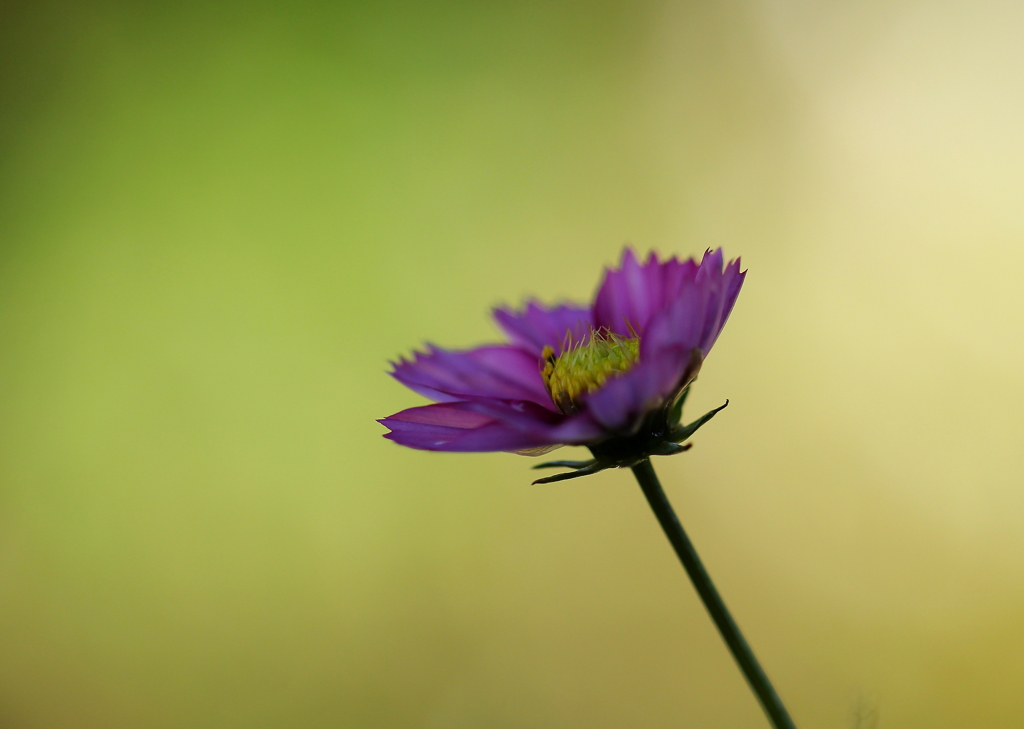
{"x": 586, "y": 365}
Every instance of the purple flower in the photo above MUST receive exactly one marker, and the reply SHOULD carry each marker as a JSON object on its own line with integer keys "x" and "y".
{"x": 611, "y": 376}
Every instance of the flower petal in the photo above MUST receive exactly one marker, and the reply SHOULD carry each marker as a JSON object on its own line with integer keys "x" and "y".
{"x": 624, "y": 301}
{"x": 733, "y": 283}
{"x": 622, "y": 403}
{"x": 699, "y": 302}
{"x": 500, "y": 372}
{"x": 678, "y": 328}
{"x": 487, "y": 425}
{"x": 632, "y": 294}
{"x": 694, "y": 317}
{"x": 539, "y": 326}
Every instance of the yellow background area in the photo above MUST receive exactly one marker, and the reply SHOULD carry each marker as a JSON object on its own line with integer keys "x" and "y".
{"x": 218, "y": 221}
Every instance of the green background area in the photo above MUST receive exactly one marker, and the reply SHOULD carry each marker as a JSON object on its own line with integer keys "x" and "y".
{"x": 218, "y": 222}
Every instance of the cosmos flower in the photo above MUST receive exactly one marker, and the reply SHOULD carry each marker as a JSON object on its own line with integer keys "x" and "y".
{"x": 611, "y": 376}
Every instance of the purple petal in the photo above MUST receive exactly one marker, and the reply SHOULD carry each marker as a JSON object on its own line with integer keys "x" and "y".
{"x": 488, "y": 425}
{"x": 722, "y": 288}
{"x": 696, "y": 313}
{"x": 675, "y": 275}
{"x": 621, "y": 404}
{"x": 698, "y": 302}
{"x": 538, "y": 326}
{"x": 677, "y": 328}
{"x": 710, "y": 264}
{"x": 733, "y": 283}
{"x": 625, "y": 299}
{"x": 632, "y": 294}
{"x": 500, "y": 372}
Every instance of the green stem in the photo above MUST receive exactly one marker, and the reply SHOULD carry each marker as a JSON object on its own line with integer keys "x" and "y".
{"x": 752, "y": 671}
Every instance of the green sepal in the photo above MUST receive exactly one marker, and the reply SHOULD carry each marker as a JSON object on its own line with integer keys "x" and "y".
{"x": 564, "y": 464}
{"x": 678, "y": 435}
{"x": 627, "y": 452}
{"x": 676, "y": 413}
{"x": 668, "y": 448}
{"x": 585, "y": 471}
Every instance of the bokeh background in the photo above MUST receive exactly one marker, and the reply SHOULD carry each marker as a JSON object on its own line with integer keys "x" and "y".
{"x": 219, "y": 220}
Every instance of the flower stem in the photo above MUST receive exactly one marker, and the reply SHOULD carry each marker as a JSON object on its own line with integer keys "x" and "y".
{"x": 752, "y": 671}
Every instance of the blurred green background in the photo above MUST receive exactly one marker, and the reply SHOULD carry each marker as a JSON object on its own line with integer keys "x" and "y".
{"x": 219, "y": 220}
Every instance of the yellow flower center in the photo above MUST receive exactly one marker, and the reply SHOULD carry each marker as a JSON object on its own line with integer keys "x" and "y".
{"x": 586, "y": 365}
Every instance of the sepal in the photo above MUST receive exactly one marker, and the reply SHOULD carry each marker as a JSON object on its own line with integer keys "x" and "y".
{"x": 661, "y": 437}
{"x": 675, "y": 415}
{"x": 585, "y": 470}
{"x": 678, "y": 435}
{"x": 668, "y": 448}
{"x": 564, "y": 464}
